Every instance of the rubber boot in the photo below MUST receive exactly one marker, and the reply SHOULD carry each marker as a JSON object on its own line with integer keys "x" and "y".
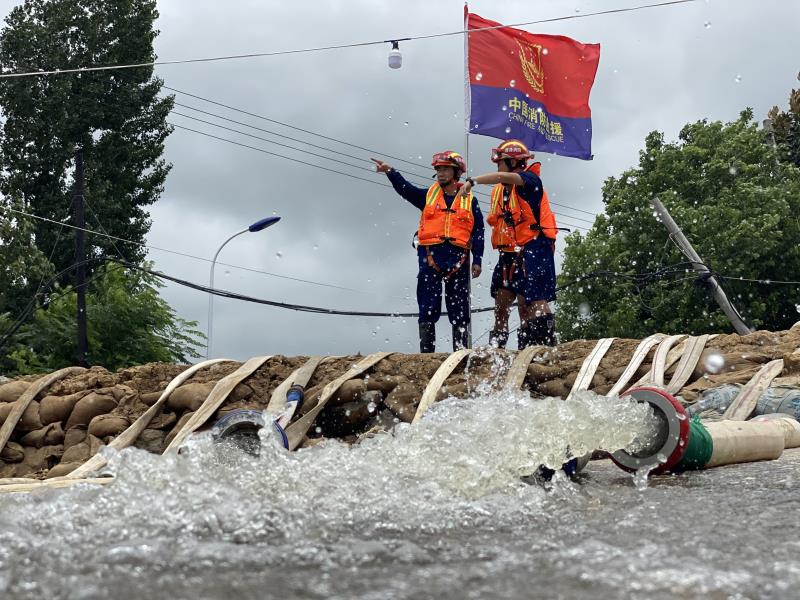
{"x": 427, "y": 337}
{"x": 460, "y": 337}
{"x": 498, "y": 339}
{"x": 543, "y": 330}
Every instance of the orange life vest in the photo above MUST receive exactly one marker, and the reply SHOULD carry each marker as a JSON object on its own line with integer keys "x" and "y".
{"x": 506, "y": 237}
{"x": 440, "y": 224}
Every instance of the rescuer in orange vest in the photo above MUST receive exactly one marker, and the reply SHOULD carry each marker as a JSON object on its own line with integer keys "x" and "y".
{"x": 524, "y": 231}
{"x": 449, "y": 230}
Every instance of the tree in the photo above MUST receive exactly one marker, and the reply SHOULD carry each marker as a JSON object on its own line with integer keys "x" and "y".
{"x": 724, "y": 186}
{"x": 115, "y": 116}
{"x": 131, "y": 324}
{"x": 786, "y": 128}
{"x": 23, "y": 268}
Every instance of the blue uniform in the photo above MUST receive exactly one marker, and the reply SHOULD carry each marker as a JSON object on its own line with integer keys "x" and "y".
{"x": 447, "y": 257}
{"x": 534, "y": 269}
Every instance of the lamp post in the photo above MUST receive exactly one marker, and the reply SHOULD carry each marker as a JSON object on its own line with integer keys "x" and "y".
{"x": 257, "y": 226}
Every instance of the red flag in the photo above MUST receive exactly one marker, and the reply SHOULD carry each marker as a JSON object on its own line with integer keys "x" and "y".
{"x": 531, "y": 86}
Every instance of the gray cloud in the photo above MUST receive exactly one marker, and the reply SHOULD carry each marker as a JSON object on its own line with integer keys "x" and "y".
{"x": 659, "y": 69}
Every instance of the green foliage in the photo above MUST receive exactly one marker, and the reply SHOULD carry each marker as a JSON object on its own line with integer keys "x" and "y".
{"x": 115, "y": 116}
{"x": 786, "y": 128}
{"x": 22, "y": 266}
{"x": 129, "y": 324}
{"x": 736, "y": 203}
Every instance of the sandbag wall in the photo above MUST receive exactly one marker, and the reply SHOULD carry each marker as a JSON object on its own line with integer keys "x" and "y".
{"x": 68, "y": 422}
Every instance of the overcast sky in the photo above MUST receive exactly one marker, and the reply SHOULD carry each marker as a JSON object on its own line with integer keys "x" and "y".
{"x": 659, "y": 69}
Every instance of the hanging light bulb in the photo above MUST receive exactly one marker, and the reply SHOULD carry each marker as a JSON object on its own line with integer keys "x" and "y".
{"x": 395, "y": 58}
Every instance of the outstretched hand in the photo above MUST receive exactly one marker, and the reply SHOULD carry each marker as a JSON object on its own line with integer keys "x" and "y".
{"x": 464, "y": 190}
{"x": 380, "y": 166}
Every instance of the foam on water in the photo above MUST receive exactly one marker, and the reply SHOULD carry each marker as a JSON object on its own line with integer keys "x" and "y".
{"x": 458, "y": 469}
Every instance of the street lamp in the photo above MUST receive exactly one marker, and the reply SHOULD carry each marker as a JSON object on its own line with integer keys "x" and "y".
{"x": 257, "y": 226}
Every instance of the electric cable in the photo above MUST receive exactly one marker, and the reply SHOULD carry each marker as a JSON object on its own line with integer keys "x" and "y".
{"x": 156, "y": 63}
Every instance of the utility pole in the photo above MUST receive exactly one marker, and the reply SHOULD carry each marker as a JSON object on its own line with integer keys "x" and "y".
{"x": 79, "y": 220}
{"x": 688, "y": 251}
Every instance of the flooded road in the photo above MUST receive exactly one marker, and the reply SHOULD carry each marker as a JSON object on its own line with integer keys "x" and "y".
{"x": 434, "y": 510}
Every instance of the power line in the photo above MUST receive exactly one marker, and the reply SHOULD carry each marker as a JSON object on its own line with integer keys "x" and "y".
{"x": 269, "y": 120}
{"x": 761, "y": 281}
{"x": 275, "y": 133}
{"x": 289, "y": 158}
{"x": 263, "y": 139}
{"x": 216, "y": 137}
{"x": 641, "y": 278}
{"x": 186, "y": 255}
{"x": 334, "y": 47}
{"x": 339, "y": 141}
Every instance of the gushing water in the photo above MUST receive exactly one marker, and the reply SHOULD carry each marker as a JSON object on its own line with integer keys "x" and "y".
{"x": 410, "y": 509}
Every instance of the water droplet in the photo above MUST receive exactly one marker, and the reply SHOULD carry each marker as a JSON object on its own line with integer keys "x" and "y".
{"x": 279, "y": 254}
{"x": 318, "y": 429}
{"x": 732, "y": 171}
{"x": 583, "y": 309}
{"x": 505, "y": 107}
{"x": 707, "y": 24}
{"x": 389, "y": 117}
{"x": 405, "y": 123}
{"x": 738, "y": 79}
{"x": 316, "y": 246}
{"x": 512, "y": 83}
{"x": 545, "y": 51}
{"x": 371, "y": 406}
{"x": 478, "y": 76}
{"x": 714, "y": 362}
{"x": 508, "y": 129}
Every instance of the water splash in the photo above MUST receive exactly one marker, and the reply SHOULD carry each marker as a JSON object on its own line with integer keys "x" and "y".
{"x": 457, "y": 470}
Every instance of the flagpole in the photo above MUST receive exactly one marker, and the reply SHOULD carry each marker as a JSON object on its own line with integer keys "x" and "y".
{"x": 466, "y": 156}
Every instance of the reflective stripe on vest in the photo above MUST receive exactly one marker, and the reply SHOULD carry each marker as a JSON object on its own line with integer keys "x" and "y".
{"x": 505, "y": 237}
{"x": 438, "y": 224}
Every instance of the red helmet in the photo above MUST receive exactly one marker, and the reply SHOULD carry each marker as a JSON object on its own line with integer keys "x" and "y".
{"x": 448, "y": 158}
{"x": 513, "y": 149}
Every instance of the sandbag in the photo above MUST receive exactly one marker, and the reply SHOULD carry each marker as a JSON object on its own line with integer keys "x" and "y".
{"x": 89, "y": 407}
{"x": 240, "y": 392}
{"x": 151, "y": 440}
{"x": 181, "y": 422}
{"x": 150, "y": 398}
{"x": 13, "y": 453}
{"x": 41, "y": 459}
{"x": 350, "y": 391}
{"x": 402, "y": 401}
{"x": 29, "y": 421}
{"x": 189, "y": 396}
{"x": 49, "y": 435}
{"x": 384, "y": 383}
{"x": 74, "y": 435}
{"x": 9, "y": 392}
{"x": 106, "y": 425}
{"x": 163, "y": 421}
{"x": 83, "y": 451}
{"x": 57, "y": 409}
{"x": 62, "y": 469}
